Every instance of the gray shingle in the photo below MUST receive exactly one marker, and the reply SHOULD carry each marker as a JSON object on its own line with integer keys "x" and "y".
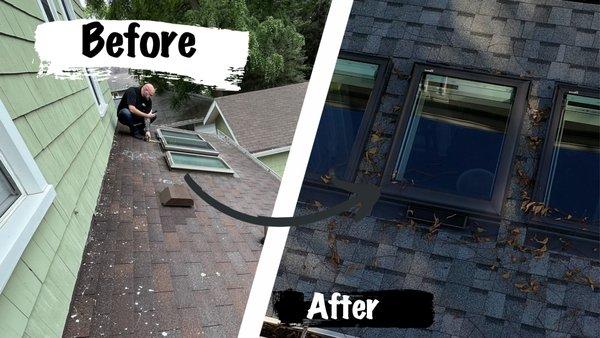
{"x": 494, "y": 306}
{"x": 441, "y": 4}
{"x": 582, "y": 18}
{"x": 466, "y": 6}
{"x": 544, "y": 32}
{"x": 560, "y": 16}
{"x": 404, "y": 260}
{"x": 558, "y": 70}
{"x": 430, "y": 16}
{"x": 534, "y": 313}
{"x": 461, "y": 272}
{"x": 489, "y": 7}
{"x": 412, "y": 282}
{"x": 585, "y": 37}
{"x": 552, "y": 317}
{"x": 548, "y": 51}
{"x": 371, "y": 279}
{"x": 539, "y": 266}
{"x": 596, "y": 21}
{"x": 541, "y": 13}
{"x": 526, "y": 11}
{"x": 482, "y": 24}
{"x": 500, "y": 44}
{"x": 372, "y": 44}
{"x": 592, "y": 75}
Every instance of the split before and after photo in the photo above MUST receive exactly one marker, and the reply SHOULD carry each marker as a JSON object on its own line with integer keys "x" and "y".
{"x": 384, "y": 169}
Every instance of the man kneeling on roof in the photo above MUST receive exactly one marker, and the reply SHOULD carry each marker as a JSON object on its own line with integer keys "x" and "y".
{"x": 135, "y": 110}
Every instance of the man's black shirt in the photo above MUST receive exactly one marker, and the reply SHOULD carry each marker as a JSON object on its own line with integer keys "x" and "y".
{"x": 133, "y": 96}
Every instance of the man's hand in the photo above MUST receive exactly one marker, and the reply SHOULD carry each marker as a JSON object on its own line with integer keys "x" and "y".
{"x": 151, "y": 115}
{"x": 147, "y": 136}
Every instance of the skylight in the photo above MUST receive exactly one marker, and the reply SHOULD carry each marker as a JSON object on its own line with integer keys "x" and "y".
{"x": 186, "y": 141}
{"x": 187, "y": 161}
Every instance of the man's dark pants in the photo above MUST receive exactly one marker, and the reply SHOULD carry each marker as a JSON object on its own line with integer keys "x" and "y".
{"x": 134, "y": 122}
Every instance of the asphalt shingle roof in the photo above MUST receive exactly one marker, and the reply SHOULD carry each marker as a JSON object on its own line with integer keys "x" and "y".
{"x": 480, "y": 287}
{"x": 149, "y": 269}
{"x": 264, "y": 119}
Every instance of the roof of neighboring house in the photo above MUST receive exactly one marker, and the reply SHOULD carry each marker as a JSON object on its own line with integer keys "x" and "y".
{"x": 263, "y": 119}
{"x": 149, "y": 269}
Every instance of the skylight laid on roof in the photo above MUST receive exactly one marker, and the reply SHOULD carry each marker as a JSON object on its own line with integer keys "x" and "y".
{"x": 184, "y": 140}
{"x": 187, "y": 161}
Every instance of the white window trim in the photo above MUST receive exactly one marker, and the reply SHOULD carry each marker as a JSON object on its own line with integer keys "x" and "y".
{"x": 68, "y": 11}
{"x": 20, "y": 221}
{"x": 273, "y": 151}
{"x": 52, "y": 9}
{"x": 94, "y": 86}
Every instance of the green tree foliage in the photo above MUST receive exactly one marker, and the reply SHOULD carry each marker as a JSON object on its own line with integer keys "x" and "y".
{"x": 284, "y": 34}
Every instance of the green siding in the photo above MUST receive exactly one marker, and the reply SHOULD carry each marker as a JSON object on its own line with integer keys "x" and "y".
{"x": 70, "y": 142}
{"x": 222, "y": 127}
{"x": 275, "y": 162}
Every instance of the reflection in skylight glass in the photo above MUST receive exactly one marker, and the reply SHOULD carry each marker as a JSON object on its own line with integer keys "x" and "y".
{"x": 574, "y": 184}
{"x": 198, "y": 160}
{"x": 455, "y": 135}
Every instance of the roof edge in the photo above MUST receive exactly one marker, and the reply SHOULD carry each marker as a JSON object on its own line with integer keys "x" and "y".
{"x": 272, "y": 151}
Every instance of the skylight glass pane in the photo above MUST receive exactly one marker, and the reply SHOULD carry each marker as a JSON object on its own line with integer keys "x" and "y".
{"x": 574, "y": 186}
{"x": 454, "y": 139}
{"x": 173, "y": 133}
{"x": 198, "y": 161}
{"x": 349, "y": 94}
{"x": 187, "y": 142}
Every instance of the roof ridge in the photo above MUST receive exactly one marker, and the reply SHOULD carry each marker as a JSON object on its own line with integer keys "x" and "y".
{"x": 261, "y": 90}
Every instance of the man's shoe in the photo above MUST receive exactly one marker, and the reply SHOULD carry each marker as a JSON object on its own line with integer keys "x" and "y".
{"x": 139, "y": 136}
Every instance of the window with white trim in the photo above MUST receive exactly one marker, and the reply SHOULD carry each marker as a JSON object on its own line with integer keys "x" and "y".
{"x": 97, "y": 93}
{"x": 48, "y": 10}
{"x": 25, "y": 196}
{"x": 69, "y": 14}
{"x": 68, "y": 11}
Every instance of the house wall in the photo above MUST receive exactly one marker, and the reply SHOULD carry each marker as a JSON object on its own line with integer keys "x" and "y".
{"x": 474, "y": 281}
{"x": 70, "y": 142}
{"x": 275, "y": 162}
{"x": 222, "y": 127}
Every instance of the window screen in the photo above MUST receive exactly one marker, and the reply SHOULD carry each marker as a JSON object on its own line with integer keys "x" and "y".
{"x": 8, "y": 191}
{"x": 574, "y": 182}
{"x": 347, "y": 99}
{"x": 187, "y": 161}
{"x": 454, "y": 137}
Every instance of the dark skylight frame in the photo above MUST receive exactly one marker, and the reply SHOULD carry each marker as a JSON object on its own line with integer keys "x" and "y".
{"x": 436, "y": 198}
{"x": 544, "y": 174}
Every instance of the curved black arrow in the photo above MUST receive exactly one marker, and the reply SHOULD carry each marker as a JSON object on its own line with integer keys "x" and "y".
{"x": 365, "y": 196}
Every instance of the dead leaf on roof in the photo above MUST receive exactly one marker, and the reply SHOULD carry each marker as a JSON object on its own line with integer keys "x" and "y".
{"x": 326, "y": 179}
